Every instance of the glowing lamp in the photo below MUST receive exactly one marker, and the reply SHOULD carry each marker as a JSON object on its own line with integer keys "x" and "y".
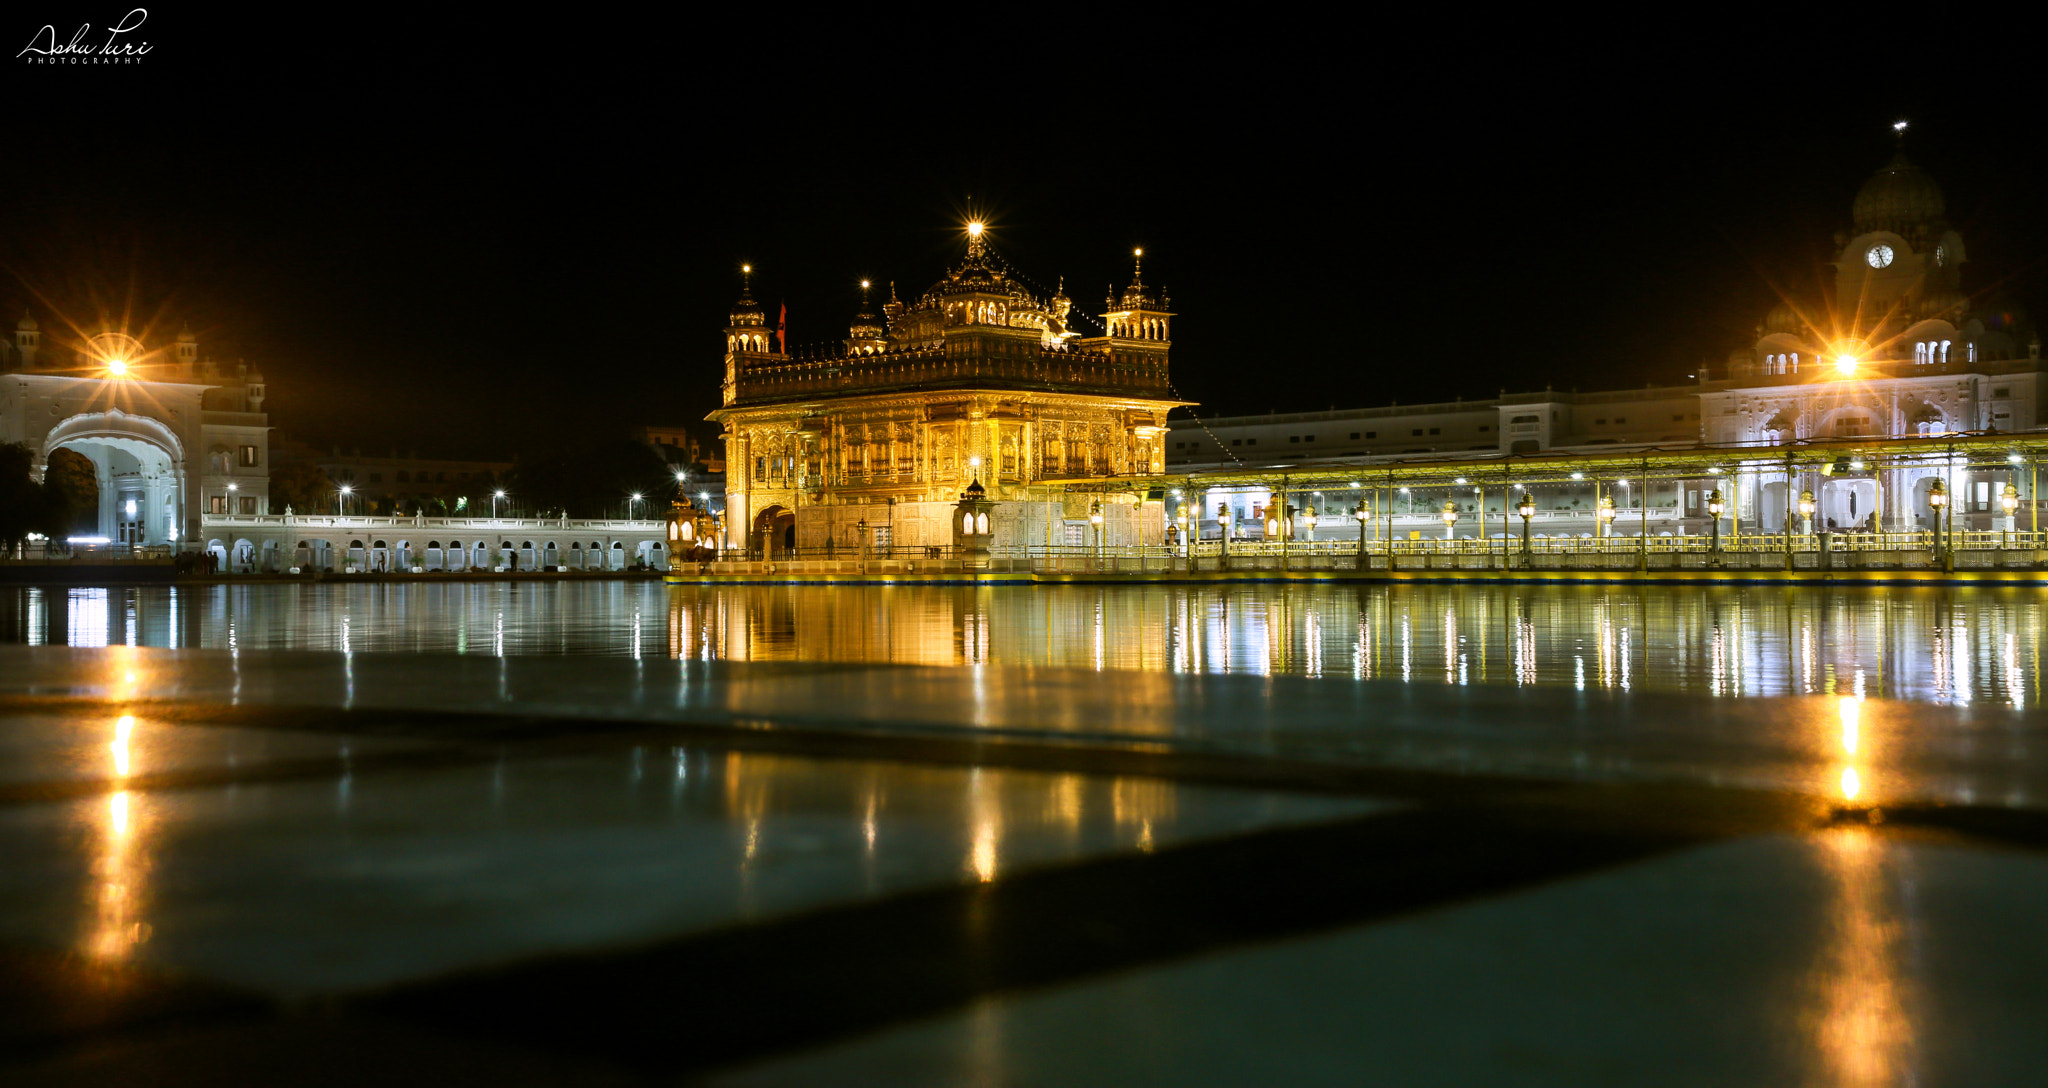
{"x": 1361, "y": 511}
{"x": 1937, "y": 495}
{"x": 974, "y": 228}
{"x": 1527, "y": 507}
{"x": 117, "y": 367}
{"x": 1806, "y": 504}
{"x": 1714, "y": 503}
{"x": 1606, "y": 508}
{"x": 2010, "y": 500}
{"x": 1845, "y": 365}
{"x": 1095, "y": 512}
{"x": 1450, "y": 514}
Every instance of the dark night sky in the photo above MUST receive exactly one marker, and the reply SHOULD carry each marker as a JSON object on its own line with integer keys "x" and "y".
{"x": 470, "y": 238}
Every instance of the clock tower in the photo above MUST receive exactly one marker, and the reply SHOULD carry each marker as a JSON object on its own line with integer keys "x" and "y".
{"x": 1900, "y": 248}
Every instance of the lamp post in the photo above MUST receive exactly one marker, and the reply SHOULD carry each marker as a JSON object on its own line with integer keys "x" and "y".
{"x": 1606, "y": 515}
{"x": 1526, "y": 508}
{"x": 1364, "y": 514}
{"x": 1223, "y": 541}
{"x": 1450, "y": 516}
{"x": 1937, "y": 497}
{"x": 1308, "y": 519}
{"x": 1095, "y": 518}
{"x": 860, "y": 529}
{"x": 495, "y": 496}
{"x": 2010, "y": 501}
{"x": 1806, "y": 510}
{"x": 341, "y": 500}
{"x": 1183, "y": 521}
{"x": 633, "y": 506}
{"x": 1714, "y": 508}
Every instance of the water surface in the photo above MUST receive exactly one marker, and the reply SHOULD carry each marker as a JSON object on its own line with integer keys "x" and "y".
{"x": 1941, "y": 645}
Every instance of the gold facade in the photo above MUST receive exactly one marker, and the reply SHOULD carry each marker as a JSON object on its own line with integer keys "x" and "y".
{"x": 980, "y": 380}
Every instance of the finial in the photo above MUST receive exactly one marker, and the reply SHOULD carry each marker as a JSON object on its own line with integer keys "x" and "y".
{"x": 746, "y": 281}
{"x": 892, "y": 290}
{"x": 975, "y": 243}
{"x": 1899, "y": 132}
{"x": 1138, "y": 267}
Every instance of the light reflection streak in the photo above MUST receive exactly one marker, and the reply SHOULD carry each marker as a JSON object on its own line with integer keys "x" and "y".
{"x": 1863, "y": 1032}
{"x": 117, "y": 925}
{"x": 122, "y": 730}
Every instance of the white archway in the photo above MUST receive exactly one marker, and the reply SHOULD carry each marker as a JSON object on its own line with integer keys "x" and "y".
{"x": 142, "y": 474}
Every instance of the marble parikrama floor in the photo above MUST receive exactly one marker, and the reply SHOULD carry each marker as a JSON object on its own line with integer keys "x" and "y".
{"x": 327, "y": 870}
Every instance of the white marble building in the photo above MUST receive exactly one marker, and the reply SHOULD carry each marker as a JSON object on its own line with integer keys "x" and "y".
{"x": 171, "y": 437}
{"x": 1897, "y": 348}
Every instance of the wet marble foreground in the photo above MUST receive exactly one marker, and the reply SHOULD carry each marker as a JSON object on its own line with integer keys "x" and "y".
{"x": 322, "y": 867}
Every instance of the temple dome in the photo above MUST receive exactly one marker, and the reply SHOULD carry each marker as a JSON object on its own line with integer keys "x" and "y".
{"x": 1784, "y": 318}
{"x": 1897, "y": 197}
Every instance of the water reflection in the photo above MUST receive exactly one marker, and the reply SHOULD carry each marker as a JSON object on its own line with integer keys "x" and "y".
{"x": 120, "y": 860}
{"x": 1953, "y": 646}
{"x": 1864, "y": 1029}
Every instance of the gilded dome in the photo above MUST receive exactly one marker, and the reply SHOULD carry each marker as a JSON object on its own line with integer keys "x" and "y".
{"x": 27, "y": 323}
{"x": 1783, "y": 318}
{"x": 1897, "y": 197}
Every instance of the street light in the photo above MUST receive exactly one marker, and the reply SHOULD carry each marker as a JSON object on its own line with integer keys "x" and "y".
{"x": 1095, "y": 517}
{"x": 1714, "y": 507}
{"x": 1223, "y": 542}
{"x": 1184, "y": 521}
{"x": 1450, "y": 516}
{"x": 1526, "y": 508}
{"x": 1308, "y": 518}
{"x": 1806, "y": 510}
{"x": 633, "y": 507}
{"x": 1364, "y": 514}
{"x": 495, "y": 496}
{"x": 2011, "y": 502}
{"x": 1937, "y": 497}
{"x": 341, "y": 500}
{"x": 1606, "y": 514}
{"x": 861, "y": 528}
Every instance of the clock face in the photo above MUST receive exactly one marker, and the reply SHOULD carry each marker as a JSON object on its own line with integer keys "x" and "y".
{"x": 1879, "y": 256}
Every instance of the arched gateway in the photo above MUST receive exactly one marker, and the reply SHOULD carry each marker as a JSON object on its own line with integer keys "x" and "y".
{"x": 140, "y": 466}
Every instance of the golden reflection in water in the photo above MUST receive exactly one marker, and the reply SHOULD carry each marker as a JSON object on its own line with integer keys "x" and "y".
{"x": 123, "y": 728}
{"x": 986, "y": 816}
{"x": 120, "y": 873}
{"x": 1849, "y": 711}
{"x": 1864, "y": 1034}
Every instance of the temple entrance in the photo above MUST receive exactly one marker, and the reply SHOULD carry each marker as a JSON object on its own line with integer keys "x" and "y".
{"x": 138, "y": 465}
{"x": 774, "y": 535}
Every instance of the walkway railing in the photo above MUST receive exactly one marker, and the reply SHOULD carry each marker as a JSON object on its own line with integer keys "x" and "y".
{"x": 2017, "y": 549}
{"x": 91, "y": 553}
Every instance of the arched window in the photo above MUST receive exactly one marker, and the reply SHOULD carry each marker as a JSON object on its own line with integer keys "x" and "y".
{"x": 1944, "y": 351}
{"x": 1795, "y": 362}
{"x": 1972, "y": 349}
{"x": 981, "y": 524}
